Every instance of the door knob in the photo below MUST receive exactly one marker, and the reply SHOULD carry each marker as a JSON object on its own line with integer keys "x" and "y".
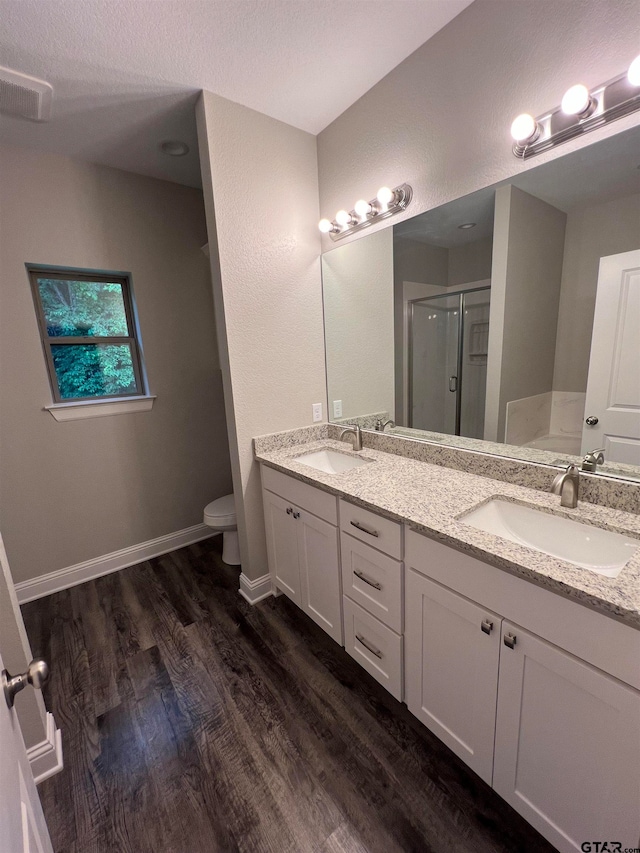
{"x": 36, "y": 675}
{"x": 591, "y": 420}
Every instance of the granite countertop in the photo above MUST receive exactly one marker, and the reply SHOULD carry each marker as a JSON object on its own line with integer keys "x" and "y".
{"x": 430, "y": 499}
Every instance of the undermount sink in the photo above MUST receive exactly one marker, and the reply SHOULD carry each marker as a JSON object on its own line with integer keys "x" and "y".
{"x": 583, "y": 545}
{"x": 331, "y": 461}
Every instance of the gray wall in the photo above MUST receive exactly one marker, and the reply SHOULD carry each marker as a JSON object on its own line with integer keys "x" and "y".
{"x": 260, "y": 181}
{"x": 592, "y": 233}
{"x": 470, "y": 262}
{"x": 525, "y": 293}
{"x": 77, "y": 490}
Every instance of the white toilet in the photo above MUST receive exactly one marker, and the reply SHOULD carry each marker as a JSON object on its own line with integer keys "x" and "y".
{"x": 221, "y": 515}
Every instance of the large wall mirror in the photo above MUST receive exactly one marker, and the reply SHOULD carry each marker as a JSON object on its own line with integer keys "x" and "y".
{"x": 507, "y": 321}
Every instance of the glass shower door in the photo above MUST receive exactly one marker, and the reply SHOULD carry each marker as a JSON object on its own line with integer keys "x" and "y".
{"x": 449, "y": 338}
{"x": 433, "y": 364}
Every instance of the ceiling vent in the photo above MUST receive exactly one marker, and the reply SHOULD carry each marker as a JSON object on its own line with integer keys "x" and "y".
{"x": 24, "y": 96}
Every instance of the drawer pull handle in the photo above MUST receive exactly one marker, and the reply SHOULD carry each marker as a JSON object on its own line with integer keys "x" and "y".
{"x": 364, "y": 529}
{"x": 364, "y": 578}
{"x": 372, "y": 649}
{"x": 487, "y": 626}
{"x": 510, "y": 640}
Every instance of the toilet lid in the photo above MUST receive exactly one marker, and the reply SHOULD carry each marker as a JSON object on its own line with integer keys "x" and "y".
{"x": 222, "y": 511}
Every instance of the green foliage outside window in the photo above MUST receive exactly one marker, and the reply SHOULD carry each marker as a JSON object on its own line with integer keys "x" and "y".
{"x": 81, "y": 309}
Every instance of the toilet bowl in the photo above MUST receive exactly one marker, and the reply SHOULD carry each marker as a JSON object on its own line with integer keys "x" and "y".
{"x": 221, "y": 515}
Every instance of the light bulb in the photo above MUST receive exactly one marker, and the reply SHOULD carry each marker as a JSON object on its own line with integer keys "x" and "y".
{"x": 525, "y": 128}
{"x": 363, "y": 208}
{"x": 385, "y": 195}
{"x": 343, "y": 217}
{"x": 576, "y": 100}
{"x": 325, "y": 226}
{"x": 633, "y": 74}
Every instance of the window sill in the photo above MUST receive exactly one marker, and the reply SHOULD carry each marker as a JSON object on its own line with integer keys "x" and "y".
{"x": 100, "y": 408}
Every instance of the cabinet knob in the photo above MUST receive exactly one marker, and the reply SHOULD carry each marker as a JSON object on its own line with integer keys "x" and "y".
{"x": 510, "y": 640}
{"x": 289, "y": 510}
{"x": 296, "y": 515}
{"x": 487, "y": 626}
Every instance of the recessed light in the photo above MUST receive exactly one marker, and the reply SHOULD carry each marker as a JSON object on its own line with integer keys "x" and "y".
{"x": 466, "y": 225}
{"x": 174, "y": 148}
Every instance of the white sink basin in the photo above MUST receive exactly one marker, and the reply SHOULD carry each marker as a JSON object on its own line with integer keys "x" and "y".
{"x": 331, "y": 461}
{"x": 588, "y": 547}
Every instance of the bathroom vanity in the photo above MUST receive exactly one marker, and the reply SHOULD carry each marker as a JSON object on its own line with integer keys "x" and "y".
{"x": 526, "y": 666}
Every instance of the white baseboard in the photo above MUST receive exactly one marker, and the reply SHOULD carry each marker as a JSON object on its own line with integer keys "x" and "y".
{"x": 99, "y": 566}
{"x": 255, "y": 591}
{"x": 45, "y": 758}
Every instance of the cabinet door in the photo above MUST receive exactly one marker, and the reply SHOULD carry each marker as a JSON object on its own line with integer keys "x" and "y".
{"x": 282, "y": 545}
{"x": 452, "y": 650}
{"x": 320, "y": 588}
{"x": 567, "y": 754}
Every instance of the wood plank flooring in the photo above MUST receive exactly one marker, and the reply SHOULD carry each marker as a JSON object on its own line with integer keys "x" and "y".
{"x": 195, "y": 723}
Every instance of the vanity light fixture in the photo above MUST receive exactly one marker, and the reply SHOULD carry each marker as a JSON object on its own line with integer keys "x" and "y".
{"x": 387, "y": 203}
{"x": 343, "y": 217}
{"x": 581, "y": 111}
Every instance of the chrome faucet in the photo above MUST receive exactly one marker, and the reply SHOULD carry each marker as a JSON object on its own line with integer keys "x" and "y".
{"x": 355, "y": 431}
{"x": 592, "y": 459}
{"x": 382, "y": 425}
{"x": 567, "y": 485}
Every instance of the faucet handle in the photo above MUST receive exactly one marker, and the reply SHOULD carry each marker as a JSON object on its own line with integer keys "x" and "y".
{"x": 592, "y": 459}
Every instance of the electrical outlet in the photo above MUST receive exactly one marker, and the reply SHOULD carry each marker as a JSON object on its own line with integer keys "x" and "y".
{"x": 317, "y": 412}
{"x": 337, "y": 408}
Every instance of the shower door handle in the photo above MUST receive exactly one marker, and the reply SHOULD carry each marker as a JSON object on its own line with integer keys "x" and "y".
{"x": 453, "y": 383}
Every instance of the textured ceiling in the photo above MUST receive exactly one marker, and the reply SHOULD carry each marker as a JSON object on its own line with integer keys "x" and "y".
{"x": 126, "y": 73}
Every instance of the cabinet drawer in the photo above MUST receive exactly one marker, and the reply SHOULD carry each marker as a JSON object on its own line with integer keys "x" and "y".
{"x": 302, "y": 494}
{"x": 369, "y": 527}
{"x": 377, "y": 648}
{"x": 373, "y": 580}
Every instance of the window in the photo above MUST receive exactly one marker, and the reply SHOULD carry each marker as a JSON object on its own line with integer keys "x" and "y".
{"x": 88, "y": 331}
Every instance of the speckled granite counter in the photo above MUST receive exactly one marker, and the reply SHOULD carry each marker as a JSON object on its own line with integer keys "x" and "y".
{"x": 431, "y": 498}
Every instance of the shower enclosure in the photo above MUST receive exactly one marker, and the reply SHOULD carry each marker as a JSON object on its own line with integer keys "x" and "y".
{"x": 448, "y": 343}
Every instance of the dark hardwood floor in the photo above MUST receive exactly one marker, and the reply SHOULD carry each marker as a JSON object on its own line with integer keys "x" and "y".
{"x": 195, "y": 723}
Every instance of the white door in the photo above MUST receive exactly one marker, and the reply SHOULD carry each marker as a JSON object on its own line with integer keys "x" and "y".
{"x": 452, "y": 651}
{"x": 567, "y": 750}
{"x": 320, "y": 580}
{"x": 22, "y": 825}
{"x": 613, "y": 388}
{"x": 282, "y": 545}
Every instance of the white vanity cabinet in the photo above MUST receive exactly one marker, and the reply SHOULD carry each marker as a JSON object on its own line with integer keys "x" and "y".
{"x": 553, "y": 682}
{"x": 372, "y": 582}
{"x": 302, "y": 547}
{"x": 452, "y": 649}
{"x": 567, "y": 751}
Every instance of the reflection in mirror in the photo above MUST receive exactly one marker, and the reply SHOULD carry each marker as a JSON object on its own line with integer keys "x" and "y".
{"x": 508, "y": 317}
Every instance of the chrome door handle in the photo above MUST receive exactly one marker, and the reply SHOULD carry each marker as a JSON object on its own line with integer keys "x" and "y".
{"x": 592, "y": 420}
{"x": 364, "y": 578}
{"x": 372, "y": 649}
{"x": 487, "y": 626}
{"x": 510, "y": 640}
{"x": 36, "y": 675}
{"x": 364, "y": 529}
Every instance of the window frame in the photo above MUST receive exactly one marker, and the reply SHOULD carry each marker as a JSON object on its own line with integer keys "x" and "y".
{"x": 132, "y": 340}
